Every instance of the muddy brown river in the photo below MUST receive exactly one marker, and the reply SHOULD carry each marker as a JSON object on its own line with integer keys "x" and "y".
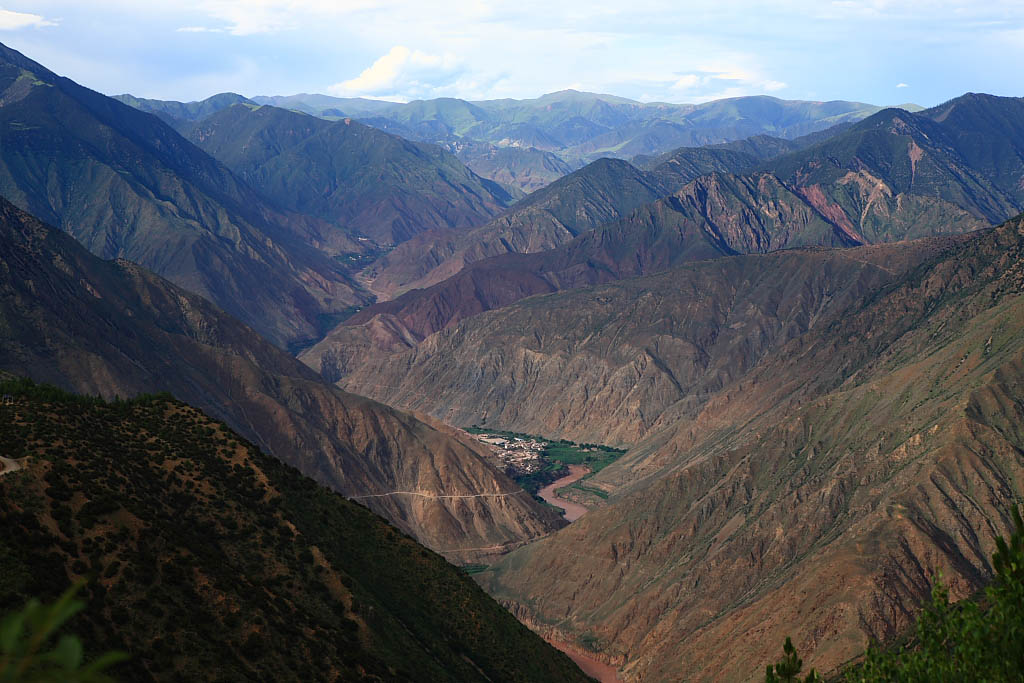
{"x": 573, "y": 511}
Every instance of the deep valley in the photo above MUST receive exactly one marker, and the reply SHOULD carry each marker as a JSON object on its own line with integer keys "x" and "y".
{"x": 418, "y": 381}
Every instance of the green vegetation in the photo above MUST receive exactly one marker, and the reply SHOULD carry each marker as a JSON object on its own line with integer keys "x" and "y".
{"x": 25, "y": 635}
{"x": 212, "y": 561}
{"x": 556, "y": 458}
{"x": 970, "y": 640}
{"x": 787, "y": 669}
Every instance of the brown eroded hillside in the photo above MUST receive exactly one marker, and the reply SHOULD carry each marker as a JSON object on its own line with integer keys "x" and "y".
{"x": 110, "y": 328}
{"x": 815, "y": 497}
{"x": 603, "y": 364}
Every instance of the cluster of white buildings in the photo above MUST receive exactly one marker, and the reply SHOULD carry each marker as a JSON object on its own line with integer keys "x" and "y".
{"x": 521, "y": 455}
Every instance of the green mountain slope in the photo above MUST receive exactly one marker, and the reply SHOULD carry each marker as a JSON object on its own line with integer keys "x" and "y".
{"x": 365, "y": 182}
{"x": 212, "y": 561}
{"x": 175, "y": 113}
{"x": 111, "y": 328}
{"x": 126, "y": 185}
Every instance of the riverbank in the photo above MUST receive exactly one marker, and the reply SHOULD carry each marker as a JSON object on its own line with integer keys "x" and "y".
{"x": 593, "y": 668}
{"x": 573, "y": 511}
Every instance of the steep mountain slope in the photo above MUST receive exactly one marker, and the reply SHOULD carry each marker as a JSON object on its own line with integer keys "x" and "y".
{"x": 596, "y": 194}
{"x": 365, "y": 182}
{"x": 126, "y": 185}
{"x": 114, "y": 329}
{"x": 814, "y": 497}
{"x": 681, "y": 166}
{"x": 212, "y": 561}
{"x": 604, "y": 364}
{"x": 874, "y": 179}
{"x": 602, "y": 191}
{"x": 892, "y": 177}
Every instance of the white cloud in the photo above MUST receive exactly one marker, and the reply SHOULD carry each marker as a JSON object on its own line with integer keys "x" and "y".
{"x": 199, "y": 29}
{"x": 718, "y": 81}
{"x": 252, "y": 17}
{"x": 902, "y": 85}
{"x": 404, "y": 72}
{"x": 12, "y": 21}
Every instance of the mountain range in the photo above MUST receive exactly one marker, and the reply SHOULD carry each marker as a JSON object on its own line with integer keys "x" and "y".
{"x": 526, "y": 144}
{"x": 784, "y": 357}
{"x": 126, "y": 185}
{"x": 814, "y": 496}
{"x": 365, "y": 182}
{"x": 891, "y": 177}
{"x": 582, "y": 126}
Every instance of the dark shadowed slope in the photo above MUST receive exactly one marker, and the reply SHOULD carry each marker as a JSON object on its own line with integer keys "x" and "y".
{"x": 594, "y": 195}
{"x": 113, "y": 328}
{"x": 365, "y": 182}
{"x": 125, "y": 184}
{"x": 209, "y": 560}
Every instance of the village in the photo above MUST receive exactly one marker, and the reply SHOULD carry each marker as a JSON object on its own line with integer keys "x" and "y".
{"x": 514, "y": 455}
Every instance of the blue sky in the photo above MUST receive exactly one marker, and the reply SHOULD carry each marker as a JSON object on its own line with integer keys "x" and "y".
{"x": 879, "y": 51}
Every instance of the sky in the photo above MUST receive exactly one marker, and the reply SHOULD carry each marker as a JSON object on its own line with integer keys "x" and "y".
{"x": 877, "y": 51}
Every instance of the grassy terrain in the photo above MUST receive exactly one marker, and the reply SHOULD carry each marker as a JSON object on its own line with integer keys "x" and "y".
{"x": 557, "y": 457}
{"x": 208, "y": 560}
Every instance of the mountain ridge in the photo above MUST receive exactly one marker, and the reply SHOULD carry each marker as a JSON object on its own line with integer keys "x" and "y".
{"x": 112, "y": 328}
{"x": 126, "y": 185}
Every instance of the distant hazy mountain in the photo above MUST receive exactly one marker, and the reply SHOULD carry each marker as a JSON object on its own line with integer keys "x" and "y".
{"x": 362, "y": 180}
{"x": 176, "y": 112}
{"x": 112, "y": 328}
{"x": 325, "y": 105}
{"x": 126, "y": 185}
{"x": 579, "y": 127}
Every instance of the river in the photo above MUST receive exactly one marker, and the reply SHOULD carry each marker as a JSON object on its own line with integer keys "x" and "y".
{"x": 573, "y": 511}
